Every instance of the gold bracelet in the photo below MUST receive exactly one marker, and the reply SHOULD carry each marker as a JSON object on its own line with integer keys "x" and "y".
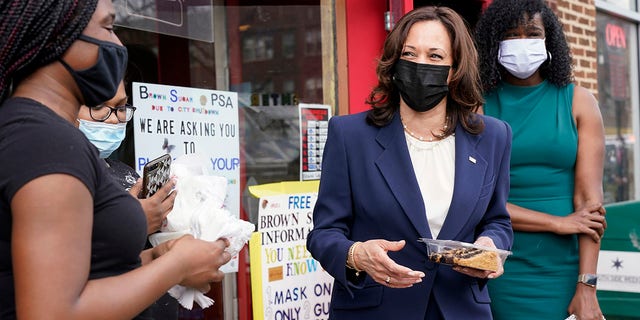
{"x": 351, "y": 258}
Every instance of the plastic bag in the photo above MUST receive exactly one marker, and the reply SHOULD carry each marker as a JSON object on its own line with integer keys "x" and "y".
{"x": 199, "y": 210}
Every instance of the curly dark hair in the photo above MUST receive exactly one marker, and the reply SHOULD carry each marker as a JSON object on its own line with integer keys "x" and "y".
{"x": 503, "y": 15}
{"x": 465, "y": 94}
{"x": 35, "y": 33}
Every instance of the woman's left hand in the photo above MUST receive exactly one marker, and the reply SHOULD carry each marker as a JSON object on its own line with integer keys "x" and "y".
{"x": 157, "y": 207}
{"x": 585, "y": 304}
{"x": 477, "y": 273}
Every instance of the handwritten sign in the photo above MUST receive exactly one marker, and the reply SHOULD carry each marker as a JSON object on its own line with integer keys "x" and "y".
{"x": 181, "y": 120}
{"x": 292, "y": 284}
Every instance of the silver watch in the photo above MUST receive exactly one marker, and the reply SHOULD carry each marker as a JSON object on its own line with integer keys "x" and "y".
{"x": 589, "y": 279}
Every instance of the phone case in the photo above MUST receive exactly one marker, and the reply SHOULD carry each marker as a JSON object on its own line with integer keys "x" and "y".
{"x": 155, "y": 174}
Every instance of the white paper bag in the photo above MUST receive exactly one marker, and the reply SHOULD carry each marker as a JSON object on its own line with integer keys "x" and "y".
{"x": 199, "y": 210}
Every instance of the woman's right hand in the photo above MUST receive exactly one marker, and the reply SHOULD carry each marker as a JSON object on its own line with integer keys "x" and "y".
{"x": 371, "y": 257}
{"x": 589, "y": 220}
{"x": 201, "y": 260}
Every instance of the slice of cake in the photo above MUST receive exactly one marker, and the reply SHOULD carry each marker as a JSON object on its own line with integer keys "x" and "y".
{"x": 467, "y": 257}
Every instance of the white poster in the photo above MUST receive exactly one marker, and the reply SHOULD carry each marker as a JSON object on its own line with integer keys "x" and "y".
{"x": 181, "y": 120}
{"x": 294, "y": 285}
{"x": 619, "y": 271}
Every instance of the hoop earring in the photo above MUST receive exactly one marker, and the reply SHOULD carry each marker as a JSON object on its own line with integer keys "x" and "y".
{"x": 549, "y": 57}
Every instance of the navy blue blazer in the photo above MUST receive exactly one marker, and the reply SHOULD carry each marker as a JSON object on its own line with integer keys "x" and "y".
{"x": 368, "y": 190}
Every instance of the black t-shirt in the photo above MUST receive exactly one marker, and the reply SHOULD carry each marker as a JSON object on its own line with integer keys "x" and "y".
{"x": 34, "y": 142}
{"x": 165, "y": 308}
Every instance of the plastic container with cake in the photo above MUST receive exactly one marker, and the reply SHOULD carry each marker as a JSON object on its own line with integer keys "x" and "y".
{"x": 465, "y": 254}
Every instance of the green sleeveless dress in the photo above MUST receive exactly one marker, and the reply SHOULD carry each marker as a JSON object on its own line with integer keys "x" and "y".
{"x": 540, "y": 277}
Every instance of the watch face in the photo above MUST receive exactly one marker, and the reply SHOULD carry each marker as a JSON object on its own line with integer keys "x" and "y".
{"x": 590, "y": 279}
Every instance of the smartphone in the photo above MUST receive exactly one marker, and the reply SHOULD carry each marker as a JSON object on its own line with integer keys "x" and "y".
{"x": 155, "y": 174}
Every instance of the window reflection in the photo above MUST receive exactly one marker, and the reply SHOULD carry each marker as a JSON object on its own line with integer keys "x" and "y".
{"x": 257, "y": 48}
{"x": 281, "y": 48}
{"x": 614, "y": 95}
{"x": 279, "y": 64}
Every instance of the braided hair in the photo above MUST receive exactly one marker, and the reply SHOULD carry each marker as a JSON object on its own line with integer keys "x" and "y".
{"x": 503, "y": 15}
{"x": 34, "y": 33}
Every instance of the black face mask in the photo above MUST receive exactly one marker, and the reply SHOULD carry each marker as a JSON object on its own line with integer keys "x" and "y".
{"x": 100, "y": 82}
{"x": 422, "y": 86}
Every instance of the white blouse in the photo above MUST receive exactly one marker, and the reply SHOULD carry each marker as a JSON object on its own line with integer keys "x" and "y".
{"x": 434, "y": 165}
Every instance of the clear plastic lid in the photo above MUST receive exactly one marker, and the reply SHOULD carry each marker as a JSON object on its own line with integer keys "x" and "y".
{"x": 451, "y": 252}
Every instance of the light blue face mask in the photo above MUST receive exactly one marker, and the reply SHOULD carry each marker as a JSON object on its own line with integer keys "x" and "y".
{"x": 105, "y": 136}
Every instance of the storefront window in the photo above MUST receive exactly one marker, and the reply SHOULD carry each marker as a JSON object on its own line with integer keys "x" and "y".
{"x": 272, "y": 56}
{"x": 274, "y": 53}
{"x": 280, "y": 65}
{"x": 615, "y": 45}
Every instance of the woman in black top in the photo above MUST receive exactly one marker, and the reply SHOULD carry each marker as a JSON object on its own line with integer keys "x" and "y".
{"x": 105, "y": 126}
{"x": 71, "y": 238}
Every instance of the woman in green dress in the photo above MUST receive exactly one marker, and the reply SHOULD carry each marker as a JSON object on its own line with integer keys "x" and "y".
{"x": 555, "y": 200}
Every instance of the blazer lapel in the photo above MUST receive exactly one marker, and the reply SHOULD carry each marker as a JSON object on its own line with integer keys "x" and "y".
{"x": 470, "y": 171}
{"x": 395, "y": 166}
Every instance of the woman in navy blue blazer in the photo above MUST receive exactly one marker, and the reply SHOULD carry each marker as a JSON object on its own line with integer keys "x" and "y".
{"x": 420, "y": 163}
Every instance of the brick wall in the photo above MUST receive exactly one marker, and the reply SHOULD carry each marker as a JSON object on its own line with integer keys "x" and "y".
{"x": 579, "y": 20}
